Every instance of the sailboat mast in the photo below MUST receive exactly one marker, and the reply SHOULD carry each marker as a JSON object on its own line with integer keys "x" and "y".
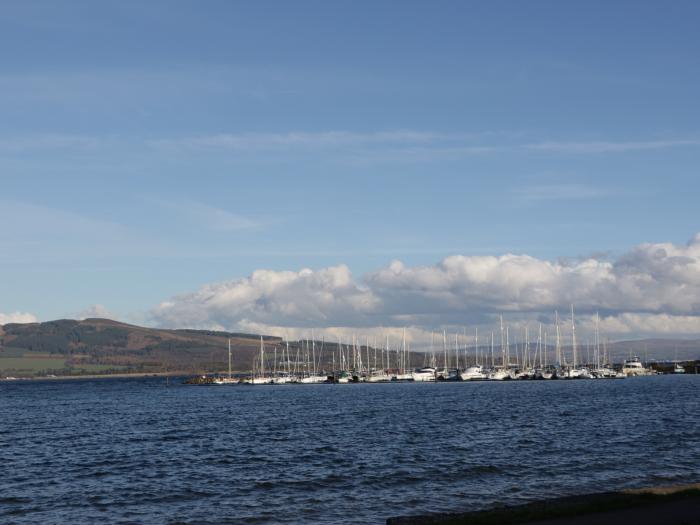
{"x": 229, "y": 358}
{"x": 597, "y": 342}
{"x": 558, "y": 348}
{"x": 456, "y": 351}
{"x": 262, "y": 355}
{"x": 503, "y": 345}
{"x": 403, "y": 352}
{"x": 573, "y": 336}
{"x": 313, "y": 352}
{"x": 545, "y": 348}
{"x": 444, "y": 346}
{"x": 367, "y": 352}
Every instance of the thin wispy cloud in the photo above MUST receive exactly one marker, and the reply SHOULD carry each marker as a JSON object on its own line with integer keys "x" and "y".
{"x": 208, "y": 216}
{"x": 609, "y": 147}
{"x": 49, "y": 142}
{"x": 417, "y": 145}
{"x": 311, "y": 140}
{"x": 554, "y": 192}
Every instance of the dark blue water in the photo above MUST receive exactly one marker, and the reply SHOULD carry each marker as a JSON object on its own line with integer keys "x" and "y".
{"x": 135, "y": 451}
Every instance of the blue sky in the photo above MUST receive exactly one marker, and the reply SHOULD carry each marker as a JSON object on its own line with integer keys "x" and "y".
{"x": 147, "y": 149}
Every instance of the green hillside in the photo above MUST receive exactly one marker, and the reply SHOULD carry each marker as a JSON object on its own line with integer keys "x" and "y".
{"x": 67, "y": 347}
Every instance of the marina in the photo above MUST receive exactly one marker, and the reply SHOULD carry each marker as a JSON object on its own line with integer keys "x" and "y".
{"x": 467, "y": 359}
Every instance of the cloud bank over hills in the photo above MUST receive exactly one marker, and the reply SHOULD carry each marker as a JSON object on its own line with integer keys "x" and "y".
{"x": 653, "y": 289}
{"x": 17, "y": 317}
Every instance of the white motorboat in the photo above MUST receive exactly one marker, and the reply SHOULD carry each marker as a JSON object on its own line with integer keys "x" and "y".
{"x": 426, "y": 373}
{"x": 473, "y": 373}
{"x": 678, "y": 369}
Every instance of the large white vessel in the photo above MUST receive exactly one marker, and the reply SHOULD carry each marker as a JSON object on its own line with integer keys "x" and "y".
{"x": 634, "y": 367}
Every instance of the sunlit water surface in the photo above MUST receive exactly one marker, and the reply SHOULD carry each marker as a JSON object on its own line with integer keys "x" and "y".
{"x": 138, "y": 451}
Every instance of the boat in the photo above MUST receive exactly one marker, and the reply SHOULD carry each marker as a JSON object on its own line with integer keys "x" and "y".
{"x": 261, "y": 378}
{"x": 379, "y": 376}
{"x": 427, "y": 373}
{"x": 310, "y": 379}
{"x": 499, "y": 374}
{"x": 633, "y": 367}
{"x": 545, "y": 373}
{"x": 281, "y": 379}
{"x": 473, "y": 373}
{"x": 678, "y": 369}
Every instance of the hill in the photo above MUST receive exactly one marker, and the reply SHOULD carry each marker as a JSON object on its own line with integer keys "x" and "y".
{"x": 66, "y": 347}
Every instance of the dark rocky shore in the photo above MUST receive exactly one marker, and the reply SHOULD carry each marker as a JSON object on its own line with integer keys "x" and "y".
{"x": 660, "y": 505}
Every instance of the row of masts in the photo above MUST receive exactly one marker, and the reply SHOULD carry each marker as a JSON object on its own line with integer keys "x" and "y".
{"x": 306, "y": 358}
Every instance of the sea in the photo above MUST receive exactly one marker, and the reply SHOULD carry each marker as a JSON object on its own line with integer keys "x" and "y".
{"x": 147, "y": 450}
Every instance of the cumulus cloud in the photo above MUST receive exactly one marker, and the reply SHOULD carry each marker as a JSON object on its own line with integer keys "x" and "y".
{"x": 17, "y": 317}
{"x": 304, "y": 298}
{"x": 652, "y": 288}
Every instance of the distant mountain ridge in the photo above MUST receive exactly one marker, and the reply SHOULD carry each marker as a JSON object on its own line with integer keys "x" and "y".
{"x": 104, "y": 346}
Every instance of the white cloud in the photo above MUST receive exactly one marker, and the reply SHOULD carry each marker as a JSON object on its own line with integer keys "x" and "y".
{"x": 96, "y": 311}
{"x": 17, "y": 317}
{"x": 649, "y": 324}
{"x": 653, "y": 288}
{"x": 304, "y": 298}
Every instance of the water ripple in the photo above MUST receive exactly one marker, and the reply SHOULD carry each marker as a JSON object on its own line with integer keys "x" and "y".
{"x": 134, "y": 451}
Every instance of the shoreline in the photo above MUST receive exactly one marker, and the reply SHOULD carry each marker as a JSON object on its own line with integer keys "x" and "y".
{"x": 678, "y": 504}
{"x": 101, "y": 376}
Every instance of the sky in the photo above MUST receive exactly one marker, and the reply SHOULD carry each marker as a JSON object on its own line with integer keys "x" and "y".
{"x": 351, "y": 166}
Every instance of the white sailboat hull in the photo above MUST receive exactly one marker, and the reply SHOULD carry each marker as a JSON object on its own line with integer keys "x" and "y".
{"x": 378, "y": 378}
{"x": 423, "y": 376}
{"x": 312, "y": 379}
{"x": 473, "y": 373}
{"x": 499, "y": 375}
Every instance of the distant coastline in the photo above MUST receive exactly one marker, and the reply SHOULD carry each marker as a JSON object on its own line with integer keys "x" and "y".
{"x": 97, "y": 348}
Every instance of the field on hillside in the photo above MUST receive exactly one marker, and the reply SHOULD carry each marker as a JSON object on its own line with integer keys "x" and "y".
{"x": 19, "y": 362}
